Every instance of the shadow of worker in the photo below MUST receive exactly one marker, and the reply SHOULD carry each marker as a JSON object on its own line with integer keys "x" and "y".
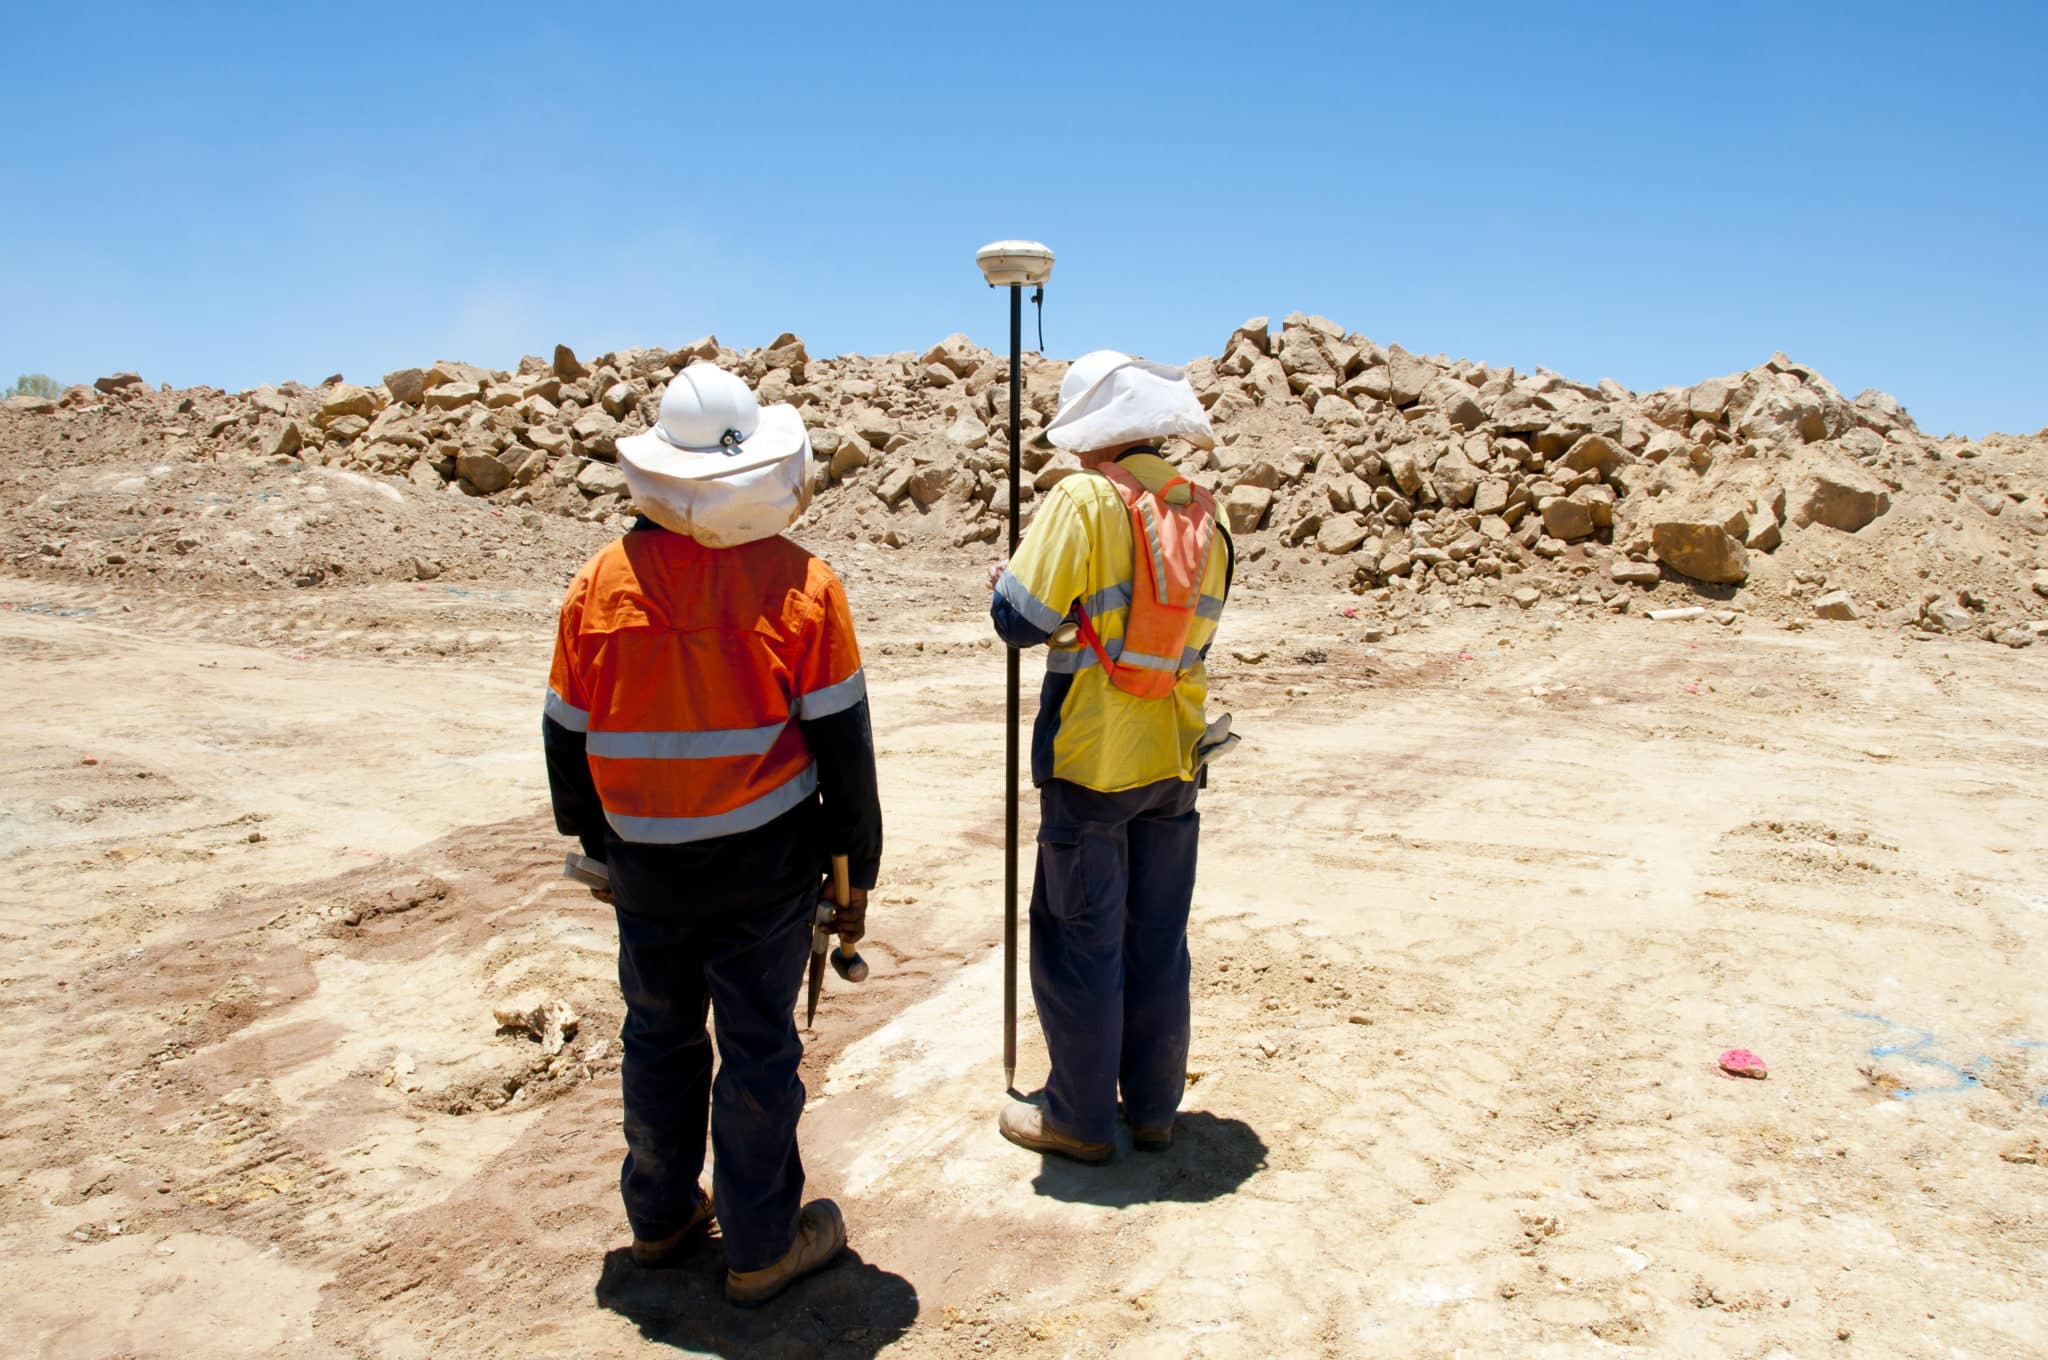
{"x": 849, "y": 1311}
{"x": 1211, "y": 1157}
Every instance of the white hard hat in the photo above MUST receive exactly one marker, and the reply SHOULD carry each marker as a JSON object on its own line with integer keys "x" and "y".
{"x": 704, "y": 408}
{"x": 1108, "y": 398}
{"x": 718, "y": 465}
{"x": 1086, "y": 371}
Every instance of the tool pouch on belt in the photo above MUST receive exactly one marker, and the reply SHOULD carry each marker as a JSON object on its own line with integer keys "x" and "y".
{"x": 1170, "y": 530}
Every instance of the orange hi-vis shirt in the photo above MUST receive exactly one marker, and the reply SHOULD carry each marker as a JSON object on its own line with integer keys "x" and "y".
{"x": 689, "y": 668}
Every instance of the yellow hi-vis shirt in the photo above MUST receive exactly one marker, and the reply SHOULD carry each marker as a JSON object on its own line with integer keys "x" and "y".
{"x": 1079, "y": 550}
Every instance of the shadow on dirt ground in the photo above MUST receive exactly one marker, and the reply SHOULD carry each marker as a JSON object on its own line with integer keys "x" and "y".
{"x": 1211, "y": 1156}
{"x": 849, "y": 1311}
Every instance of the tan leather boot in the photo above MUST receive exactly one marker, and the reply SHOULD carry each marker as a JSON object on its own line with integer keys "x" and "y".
{"x": 1024, "y": 1124}
{"x": 820, "y": 1236}
{"x": 662, "y": 1250}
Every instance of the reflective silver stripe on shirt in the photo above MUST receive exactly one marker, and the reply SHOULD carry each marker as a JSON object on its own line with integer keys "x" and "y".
{"x": 730, "y": 741}
{"x": 1158, "y": 553}
{"x": 823, "y": 703}
{"x": 1036, "y": 612}
{"x": 1147, "y": 661}
{"x": 745, "y": 817}
{"x": 1107, "y": 599}
{"x": 1072, "y": 663}
{"x": 1209, "y": 607}
{"x": 566, "y": 713}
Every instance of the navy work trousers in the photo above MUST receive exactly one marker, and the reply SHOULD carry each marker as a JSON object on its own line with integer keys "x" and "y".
{"x": 1109, "y": 951}
{"x": 746, "y": 964}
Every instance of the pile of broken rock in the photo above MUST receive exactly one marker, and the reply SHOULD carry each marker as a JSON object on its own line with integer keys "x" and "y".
{"x": 1414, "y": 479}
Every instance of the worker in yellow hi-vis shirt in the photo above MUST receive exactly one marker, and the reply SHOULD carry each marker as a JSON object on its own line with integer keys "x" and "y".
{"x": 1124, "y": 572}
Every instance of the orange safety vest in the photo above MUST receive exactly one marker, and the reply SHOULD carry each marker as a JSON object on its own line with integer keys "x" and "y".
{"x": 688, "y": 668}
{"x": 1171, "y": 541}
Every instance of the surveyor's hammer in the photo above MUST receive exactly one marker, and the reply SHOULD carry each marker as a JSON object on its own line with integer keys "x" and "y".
{"x": 846, "y": 960}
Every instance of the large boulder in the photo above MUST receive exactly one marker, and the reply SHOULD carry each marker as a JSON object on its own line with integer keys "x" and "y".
{"x": 1836, "y": 604}
{"x": 600, "y": 479}
{"x": 1841, "y": 500}
{"x": 1521, "y": 411}
{"x": 596, "y": 434}
{"x": 547, "y": 439}
{"x": 1333, "y": 410}
{"x": 286, "y": 441}
{"x": 1299, "y": 354}
{"x": 1408, "y": 375}
{"x": 1635, "y": 573}
{"x": 452, "y": 396}
{"x": 704, "y": 349}
{"x": 967, "y": 431}
{"x": 525, "y": 464}
{"x": 1257, "y": 332}
{"x": 1594, "y": 453}
{"x": 1704, "y": 551}
{"x": 1785, "y": 413}
{"x": 449, "y": 371}
{"x": 956, "y": 353}
{"x": 1341, "y": 534}
{"x": 115, "y": 382}
{"x": 1709, "y": 400}
{"x": 482, "y": 470}
{"x": 1458, "y": 400}
{"x": 1566, "y": 519}
{"x": 406, "y": 384}
{"x": 1246, "y": 506}
{"x": 787, "y": 351}
{"x": 345, "y": 399}
{"x": 1457, "y": 481}
{"x": 1404, "y": 468}
{"x": 618, "y": 399}
{"x": 853, "y": 452}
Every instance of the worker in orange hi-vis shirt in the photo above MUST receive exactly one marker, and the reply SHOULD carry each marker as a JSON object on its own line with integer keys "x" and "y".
{"x": 708, "y": 741}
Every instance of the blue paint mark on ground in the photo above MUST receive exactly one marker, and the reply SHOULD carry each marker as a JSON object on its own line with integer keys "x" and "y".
{"x": 54, "y": 611}
{"x": 1920, "y": 1048}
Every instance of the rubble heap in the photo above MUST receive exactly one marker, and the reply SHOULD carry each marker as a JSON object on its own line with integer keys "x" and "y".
{"x": 1411, "y": 479}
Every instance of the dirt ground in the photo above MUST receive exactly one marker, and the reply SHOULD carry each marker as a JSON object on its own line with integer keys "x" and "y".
{"x": 1481, "y": 903}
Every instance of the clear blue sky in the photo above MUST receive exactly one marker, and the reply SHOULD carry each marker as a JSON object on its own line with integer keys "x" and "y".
{"x": 1656, "y": 193}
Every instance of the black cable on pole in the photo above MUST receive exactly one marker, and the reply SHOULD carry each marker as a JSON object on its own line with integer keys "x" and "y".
{"x": 1038, "y": 301}
{"x": 1015, "y": 706}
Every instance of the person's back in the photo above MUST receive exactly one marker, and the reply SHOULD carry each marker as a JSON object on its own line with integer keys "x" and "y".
{"x": 1081, "y": 552}
{"x": 692, "y": 672}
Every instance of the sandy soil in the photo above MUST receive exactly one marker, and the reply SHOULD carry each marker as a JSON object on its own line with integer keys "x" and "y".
{"x": 1480, "y": 905}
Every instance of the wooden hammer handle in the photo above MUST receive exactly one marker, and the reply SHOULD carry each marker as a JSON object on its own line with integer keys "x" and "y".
{"x": 846, "y": 960}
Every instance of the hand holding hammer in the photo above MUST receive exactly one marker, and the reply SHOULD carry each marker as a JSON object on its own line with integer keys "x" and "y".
{"x": 849, "y": 923}
{"x": 846, "y": 916}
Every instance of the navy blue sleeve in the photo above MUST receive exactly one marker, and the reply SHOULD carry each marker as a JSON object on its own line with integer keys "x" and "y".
{"x": 843, "y": 745}
{"x": 578, "y": 812}
{"x": 1011, "y": 625}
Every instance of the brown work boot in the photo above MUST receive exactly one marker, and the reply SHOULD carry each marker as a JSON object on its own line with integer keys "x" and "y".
{"x": 820, "y": 1236}
{"x": 1024, "y": 1124}
{"x": 1152, "y": 1140}
{"x": 653, "y": 1255}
